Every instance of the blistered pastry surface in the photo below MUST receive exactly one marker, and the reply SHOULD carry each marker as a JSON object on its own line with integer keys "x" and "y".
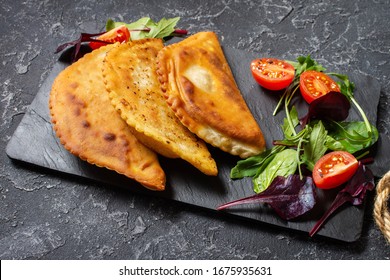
{"x": 131, "y": 79}
{"x": 200, "y": 88}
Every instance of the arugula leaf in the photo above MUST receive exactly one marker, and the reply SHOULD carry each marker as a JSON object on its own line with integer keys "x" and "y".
{"x": 138, "y": 29}
{"x": 251, "y": 166}
{"x": 146, "y": 28}
{"x": 164, "y": 28}
{"x": 145, "y": 22}
{"x": 346, "y": 86}
{"x": 305, "y": 63}
{"x": 291, "y": 138}
{"x": 143, "y": 28}
{"x": 111, "y": 24}
{"x": 353, "y": 136}
{"x": 315, "y": 147}
{"x": 287, "y": 131}
{"x": 295, "y": 139}
{"x": 322, "y": 131}
{"x": 283, "y": 164}
{"x": 333, "y": 144}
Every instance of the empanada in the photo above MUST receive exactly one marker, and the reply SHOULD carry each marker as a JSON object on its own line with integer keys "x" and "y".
{"x": 200, "y": 88}
{"x": 89, "y": 126}
{"x": 130, "y": 75}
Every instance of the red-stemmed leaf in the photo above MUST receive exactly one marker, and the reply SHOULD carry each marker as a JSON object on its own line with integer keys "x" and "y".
{"x": 354, "y": 193}
{"x": 290, "y": 196}
{"x": 89, "y": 37}
{"x": 84, "y": 37}
{"x": 180, "y": 32}
{"x": 333, "y": 105}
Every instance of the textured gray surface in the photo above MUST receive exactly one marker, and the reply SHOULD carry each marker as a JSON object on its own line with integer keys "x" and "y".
{"x": 44, "y": 215}
{"x": 185, "y": 183}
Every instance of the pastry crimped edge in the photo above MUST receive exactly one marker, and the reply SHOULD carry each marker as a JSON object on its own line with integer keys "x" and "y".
{"x": 150, "y": 141}
{"x": 157, "y": 186}
{"x": 205, "y": 132}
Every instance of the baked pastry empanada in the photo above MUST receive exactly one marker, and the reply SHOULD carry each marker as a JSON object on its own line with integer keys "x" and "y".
{"x": 200, "y": 88}
{"x": 130, "y": 76}
{"x": 90, "y": 128}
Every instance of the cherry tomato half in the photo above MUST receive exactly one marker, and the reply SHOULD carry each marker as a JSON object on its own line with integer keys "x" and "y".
{"x": 314, "y": 84}
{"x": 119, "y": 34}
{"x": 272, "y": 73}
{"x": 334, "y": 169}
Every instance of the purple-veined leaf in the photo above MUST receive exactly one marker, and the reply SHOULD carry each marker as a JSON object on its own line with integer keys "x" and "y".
{"x": 84, "y": 37}
{"x": 290, "y": 196}
{"x": 333, "y": 105}
{"x": 161, "y": 29}
{"x": 353, "y": 192}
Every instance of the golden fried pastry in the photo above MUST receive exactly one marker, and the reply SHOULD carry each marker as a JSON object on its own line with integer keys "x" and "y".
{"x": 129, "y": 72}
{"x": 200, "y": 88}
{"x": 89, "y": 127}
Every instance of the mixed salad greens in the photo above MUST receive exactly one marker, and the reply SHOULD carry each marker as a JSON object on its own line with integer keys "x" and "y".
{"x": 319, "y": 150}
{"x": 123, "y": 32}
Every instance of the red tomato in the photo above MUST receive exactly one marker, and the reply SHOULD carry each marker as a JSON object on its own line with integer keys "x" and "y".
{"x": 119, "y": 34}
{"x": 271, "y": 73}
{"x": 334, "y": 169}
{"x": 314, "y": 84}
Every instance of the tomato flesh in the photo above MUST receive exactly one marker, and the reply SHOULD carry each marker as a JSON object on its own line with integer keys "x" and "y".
{"x": 272, "y": 73}
{"x": 334, "y": 169}
{"x": 119, "y": 34}
{"x": 314, "y": 84}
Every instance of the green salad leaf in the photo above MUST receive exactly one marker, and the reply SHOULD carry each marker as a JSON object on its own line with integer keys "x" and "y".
{"x": 287, "y": 129}
{"x": 315, "y": 147}
{"x": 147, "y": 28}
{"x": 305, "y": 145}
{"x": 251, "y": 166}
{"x": 164, "y": 28}
{"x": 284, "y": 163}
{"x": 305, "y": 63}
{"x": 346, "y": 86}
{"x": 351, "y": 136}
{"x": 291, "y": 138}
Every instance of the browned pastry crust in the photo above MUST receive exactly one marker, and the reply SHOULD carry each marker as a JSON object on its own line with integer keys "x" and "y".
{"x": 130, "y": 76}
{"x": 200, "y": 88}
{"x": 90, "y": 128}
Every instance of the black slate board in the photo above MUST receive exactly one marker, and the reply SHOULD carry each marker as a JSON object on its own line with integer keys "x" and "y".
{"x": 35, "y": 142}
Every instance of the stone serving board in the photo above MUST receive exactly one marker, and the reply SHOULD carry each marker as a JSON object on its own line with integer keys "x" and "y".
{"x": 35, "y": 142}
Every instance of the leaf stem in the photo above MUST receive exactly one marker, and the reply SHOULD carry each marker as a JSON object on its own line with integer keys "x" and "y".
{"x": 181, "y": 31}
{"x": 286, "y": 93}
{"x": 366, "y": 122}
{"x": 280, "y": 101}
{"x": 287, "y": 101}
{"x": 292, "y": 94}
{"x": 362, "y": 155}
{"x": 298, "y": 157}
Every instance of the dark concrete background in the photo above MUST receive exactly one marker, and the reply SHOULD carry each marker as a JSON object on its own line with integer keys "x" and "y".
{"x": 49, "y": 216}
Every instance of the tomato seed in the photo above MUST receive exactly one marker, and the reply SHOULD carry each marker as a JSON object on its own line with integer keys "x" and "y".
{"x": 329, "y": 165}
